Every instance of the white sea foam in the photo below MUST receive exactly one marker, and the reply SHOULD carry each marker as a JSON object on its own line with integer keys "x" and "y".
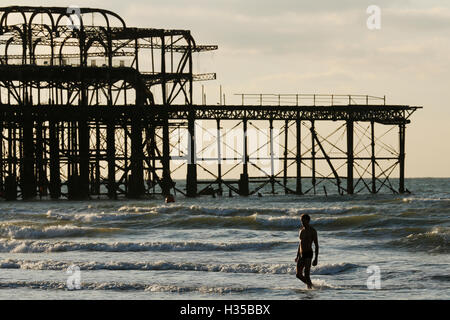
{"x": 29, "y": 246}
{"x": 124, "y": 286}
{"x": 334, "y": 268}
{"x": 232, "y": 210}
{"x": 136, "y": 209}
{"x": 98, "y": 216}
{"x": 13, "y": 231}
{"x": 316, "y": 210}
{"x": 278, "y": 221}
{"x": 423, "y": 199}
{"x": 436, "y": 240}
{"x": 318, "y": 284}
{"x": 327, "y": 269}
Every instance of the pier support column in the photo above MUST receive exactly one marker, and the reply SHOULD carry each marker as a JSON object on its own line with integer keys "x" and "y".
{"x": 152, "y": 154}
{"x": 136, "y": 179}
{"x": 1, "y": 156}
{"x": 372, "y": 136}
{"x": 11, "y": 177}
{"x": 285, "y": 166}
{"x": 55, "y": 178}
{"x": 219, "y": 158}
{"x": 81, "y": 188}
{"x": 298, "y": 188}
{"x": 10, "y": 188}
{"x": 244, "y": 181}
{"x": 166, "y": 183}
{"x": 39, "y": 156}
{"x": 83, "y": 136}
{"x": 95, "y": 180}
{"x": 28, "y": 179}
{"x": 111, "y": 158}
{"x": 350, "y": 157}
{"x": 313, "y": 157}
{"x": 401, "y": 157}
{"x": 191, "y": 180}
{"x": 136, "y": 187}
{"x": 272, "y": 165}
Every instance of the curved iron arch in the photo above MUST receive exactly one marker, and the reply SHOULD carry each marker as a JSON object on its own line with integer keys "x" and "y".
{"x": 8, "y": 10}
{"x": 40, "y": 11}
{"x": 89, "y": 44}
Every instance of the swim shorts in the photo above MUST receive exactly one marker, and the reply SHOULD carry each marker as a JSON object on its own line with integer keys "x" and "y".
{"x": 307, "y": 255}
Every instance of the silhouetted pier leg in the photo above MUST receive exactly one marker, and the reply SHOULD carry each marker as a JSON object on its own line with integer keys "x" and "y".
{"x": 71, "y": 167}
{"x": 285, "y": 167}
{"x": 313, "y": 157}
{"x": 136, "y": 179}
{"x": 39, "y": 154}
{"x": 244, "y": 181}
{"x": 55, "y": 178}
{"x": 272, "y": 166}
{"x": 10, "y": 188}
{"x": 219, "y": 158}
{"x": 136, "y": 186}
{"x": 28, "y": 179}
{"x": 191, "y": 188}
{"x": 2, "y": 178}
{"x": 298, "y": 187}
{"x": 153, "y": 156}
{"x": 373, "y": 159}
{"x": 83, "y": 136}
{"x": 111, "y": 158}
{"x": 350, "y": 156}
{"x": 166, "y": 179}
{"x": 191, "y": 181}
{"x": 166, "y": 183}
{"x": 95, "y": 189}
{"x": 401, "y": 158}
{"x": 83, "y": 146}
{"x": 12, "y": 152}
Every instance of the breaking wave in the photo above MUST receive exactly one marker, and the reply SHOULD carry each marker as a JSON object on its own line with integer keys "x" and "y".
{"x": 15, "y": 246}
{"x": 435, "y": 241}
{"x": 327, "y": 269}
{"x": 170, "y": 288}
{"x": 13, "y": 231}
{"x": 122, "y": 286}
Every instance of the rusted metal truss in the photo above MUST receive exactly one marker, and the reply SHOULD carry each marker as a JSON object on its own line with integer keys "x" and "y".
{"x": 94, "y": 108}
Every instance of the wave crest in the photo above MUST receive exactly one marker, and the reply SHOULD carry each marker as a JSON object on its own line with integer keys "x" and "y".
{"x": 13, "y": 231}
{"x": 29, "y": 246}
{"x": 435, "y": 241}
{"x": 326, "y": 269}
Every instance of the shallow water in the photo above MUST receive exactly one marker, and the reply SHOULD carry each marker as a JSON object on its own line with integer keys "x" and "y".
{"x": 221, "y": 248}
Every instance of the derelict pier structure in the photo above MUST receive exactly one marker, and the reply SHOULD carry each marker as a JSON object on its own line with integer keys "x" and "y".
{"x": 90, "y": 107}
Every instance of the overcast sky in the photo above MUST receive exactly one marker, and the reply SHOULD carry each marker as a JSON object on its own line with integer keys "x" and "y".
{"x": 291, "y": 46}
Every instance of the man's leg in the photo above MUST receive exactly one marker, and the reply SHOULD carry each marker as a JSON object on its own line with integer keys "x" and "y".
{"x": 307, "y": 273}
{"x": 300, "y": 267}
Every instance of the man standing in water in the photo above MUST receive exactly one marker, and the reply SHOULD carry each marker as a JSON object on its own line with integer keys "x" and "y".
{"x": 307, "y": 236}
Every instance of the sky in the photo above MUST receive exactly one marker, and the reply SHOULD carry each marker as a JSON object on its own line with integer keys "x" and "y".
{"x": 322, "y": 46}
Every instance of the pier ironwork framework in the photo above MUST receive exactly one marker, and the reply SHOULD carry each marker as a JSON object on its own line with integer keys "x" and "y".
{"x": 92, "y": 110}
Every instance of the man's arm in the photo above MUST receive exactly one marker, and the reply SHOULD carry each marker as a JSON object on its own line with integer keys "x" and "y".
{"x": 316, "y": 245}
{"x": 298, "y": 249}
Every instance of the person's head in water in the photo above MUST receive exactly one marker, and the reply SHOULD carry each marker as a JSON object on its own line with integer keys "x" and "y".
{"x": 305, "y": 219}
{"x": 170, "y": 198}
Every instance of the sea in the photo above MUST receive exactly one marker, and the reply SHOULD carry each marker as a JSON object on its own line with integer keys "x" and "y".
{"x": 372, "y": 246}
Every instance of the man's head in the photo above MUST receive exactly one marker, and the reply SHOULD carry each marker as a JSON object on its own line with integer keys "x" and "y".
{"x": 305, "y": 219}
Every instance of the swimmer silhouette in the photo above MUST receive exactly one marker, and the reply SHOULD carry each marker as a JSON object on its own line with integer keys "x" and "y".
{"x": 307, "y": 236}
